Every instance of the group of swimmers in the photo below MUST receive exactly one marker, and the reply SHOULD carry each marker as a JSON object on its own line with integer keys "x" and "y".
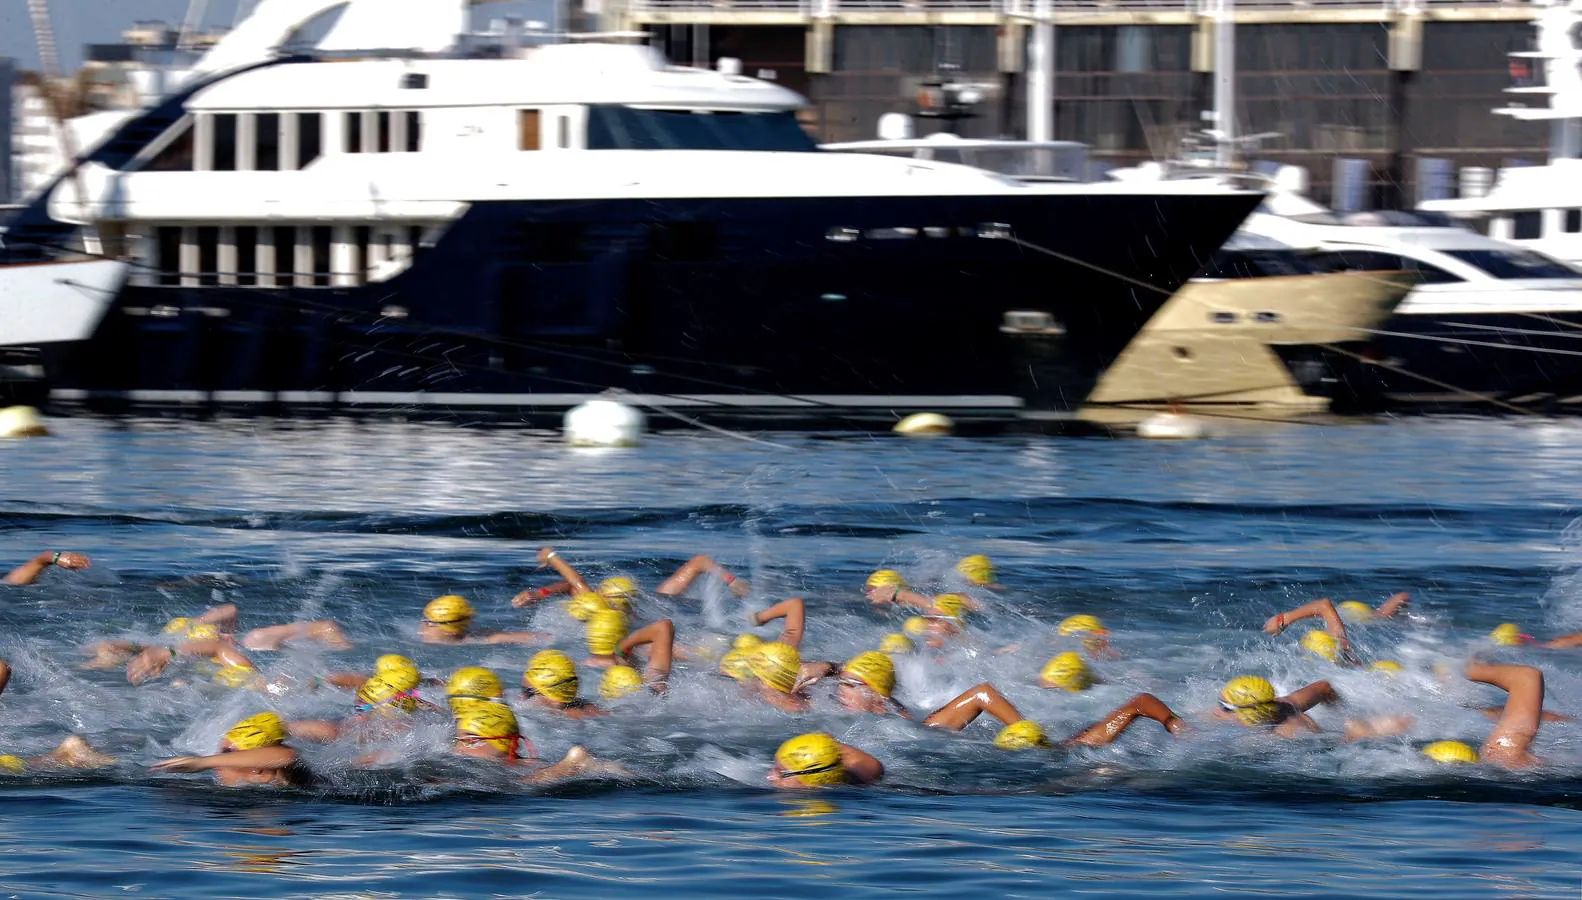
{"x": 388, "y": 701}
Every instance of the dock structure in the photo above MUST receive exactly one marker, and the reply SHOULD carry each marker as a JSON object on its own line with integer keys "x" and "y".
{"x": 1374, "y": 98}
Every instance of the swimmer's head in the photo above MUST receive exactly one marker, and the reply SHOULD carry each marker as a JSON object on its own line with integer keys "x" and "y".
{"x": 1322, "y": 644}
{"x": 263, "y": 730}
{"x": 1023, "y": 735}
{"x": 885, "y": 578}
{"x": 583, "y": 605}
{"x": 1251, "y": 698}
{"x": 493, "y": 724}
{"x": 606, "y": 630}
{"x": 395, "y": 662}
{"x": 203, "y": 632}
{"x": 236, "y": 676}
{"x": 552, "y": 674}
{"x": 1067, "y": 671}
{"x": 813, "y": 759}
{"x": 1509, "y": 635}
{"x": 746, "y": 641}
{"x": 619, "y": 681}
{"x": 620, "y": 588}
{"x": 895, "y": 642}
{"x": 917, "y": 626}
{"x": 1082, "y": 623}
{"x": 379, "y": 694}
{"x": 776, "y": 665}
{"x": 1387, "y": 666}
{"x": 178, "y": 625}
{"x": 14, "y": 765}
{"x": 450, "y": 614}
{"x": 952, "y": 606}
{"x": 873, "y": 669}
{"x": 1450, "y": 752}
{"x": 472, "y": 684}
{"x": 735, "y": 665}
{"x": 976, "y": 568}
{"x": 1355, "y": 611}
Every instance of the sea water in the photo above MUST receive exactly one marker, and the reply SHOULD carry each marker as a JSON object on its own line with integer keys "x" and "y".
{"x": 1184, "y": 549}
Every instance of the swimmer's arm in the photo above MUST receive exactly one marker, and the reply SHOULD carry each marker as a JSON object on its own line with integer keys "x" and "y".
{"x": 1564, "y": 642}
{"x": 221, "y": 650}
{"x": 813, "y": 671}
{"x": 5, "y": 675}
{"x": 277, "y": 757}
{"x": 860, "y": 766}
{"x": 678, "y": 583}
{"x": 531, "y": 596}
{"x": 351, "y": 681}
{"x": 660, "y": 637}
{"x": 513, "y": 637}
{"x": 549, "y": 557}
{"x": 794, "y": 611}
{"x": 29, "y": 572}
{"x": 894, "y": 595}
{"x": 223, "y": 616}
{"x": 1518, "y": 724}
{"x": 1314, "y": 694}
{"x": 320, "y": 731}
{"x": 1107, "y": 730}
{"x": 1323, "y": 608}
{"x": 1395, "y": 604}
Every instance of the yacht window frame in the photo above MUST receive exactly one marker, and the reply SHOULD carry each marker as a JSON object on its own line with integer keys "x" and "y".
{"x": 184, "y": 127}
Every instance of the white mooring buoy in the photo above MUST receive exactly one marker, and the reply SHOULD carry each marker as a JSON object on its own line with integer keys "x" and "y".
{"x": 1171, "y": 426}
{"x": 604, "y": 423}
{"x": 21, "y": 421}
{"x": 925, "y": 424}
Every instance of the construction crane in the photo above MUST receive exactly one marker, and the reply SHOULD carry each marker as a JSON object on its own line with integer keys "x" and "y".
{"x": 49, "y": 87}
{"x": 44, "y": 35}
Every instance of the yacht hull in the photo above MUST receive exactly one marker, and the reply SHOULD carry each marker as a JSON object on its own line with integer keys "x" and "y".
{"x": 1250, "y": 342}
{"x": 47, "y": 302}
{"x": 745, "y": 301}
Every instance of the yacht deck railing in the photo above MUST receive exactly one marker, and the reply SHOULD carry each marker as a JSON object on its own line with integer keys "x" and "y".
{"x": 1026, "y": 8}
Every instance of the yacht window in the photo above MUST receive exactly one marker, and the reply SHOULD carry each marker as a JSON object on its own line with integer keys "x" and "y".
{"x": 362, "y": 235}
{"x": 246, "y": 254}
{"x": 167, "y": 254}
{"x": 1515, "y": 263}
{"x": 321, "y": 237}
{"x": 1573, "y": 221}
{"x": 527, "y": 129}
{"x": 563, "y": 131}
{"x": 285, "y": 254}
{"x": 684, "y": 241}
{"x": 176, "y": 155}
{"x": 414, "y": 131}
{"x": 382, "y": 120}
{"x": 208, "y": 254}
{"x": 1376, "y": 261}
{"x": 1528, "y": 225}
{"x": 354, "y": 132}
{"x": 1221, "y": 317}
{"x": 266, "y": 130}
{"x": 414, "y": 81}
{"x": 1255, "y": 264}
{"x": 224, "y": 142}
{"x": 625, "y": 128}
{"x": 308, "y": 146}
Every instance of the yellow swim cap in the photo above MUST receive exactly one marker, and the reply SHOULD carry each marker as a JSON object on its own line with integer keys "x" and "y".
{"x": 952, "y": 605}
{"x": 1321, "y": 643}
{"x": 1023, "y": 735}
{"x": 391, "y": 663}
{"x": 1081, "y": 624}
{"x": 379, "y": 693}
{"x": 178, "y": 625}
{"x": 1068, "y": 671}
{"x": 1509, "y": 635}
{"x": 553, "y": 674}
{"x": 873, "y": 669}
{"x": 976, "y": 568}
{"x": 776, "y": 665}
{"x": 1450, "y": 752}
{"x": 1251, "y": 698}
{"x": 917, "y": 626}
{"x": 735, "y": 664}
{"x": 606, "y": 629}
{"x": 474, "y": 683}
{"x": 13, "y": 764}
{"x": 235, "y": 676}
{"x": 895, "y": 642}
{"x": 886, "y": 578}
{"x": 263, "y": 730}
{"x": 746, "y": 641}
{"x": 618, "y": 587}
{"x": 450, "y": 613}
{"x": 489, "y": 723}
{"x": 584, "y": 605}
{"x": 619, "y": 681}
{"x": 1388, "y": 666}
{"x": 203, "y": 632}
{"x": 813, "y": 758}
{"x": 1355, "y": 611}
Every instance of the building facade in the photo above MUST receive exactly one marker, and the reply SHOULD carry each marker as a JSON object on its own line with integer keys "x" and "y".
{"x": 1382, "y": 84}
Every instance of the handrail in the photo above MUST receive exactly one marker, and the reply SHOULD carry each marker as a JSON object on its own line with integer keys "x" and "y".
{"x": 1024, "y": 8}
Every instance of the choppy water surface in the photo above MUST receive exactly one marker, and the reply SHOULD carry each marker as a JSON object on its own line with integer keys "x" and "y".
{"x": 1184, "y": 550}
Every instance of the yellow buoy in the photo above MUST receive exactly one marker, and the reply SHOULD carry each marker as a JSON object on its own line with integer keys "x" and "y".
{"x": 925, "y": 424}
{"x": 21, "y": 421}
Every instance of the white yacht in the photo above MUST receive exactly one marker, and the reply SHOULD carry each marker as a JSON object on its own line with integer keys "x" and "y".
{"x": 1539, "y": 208}
{"x": 400, "y": 215}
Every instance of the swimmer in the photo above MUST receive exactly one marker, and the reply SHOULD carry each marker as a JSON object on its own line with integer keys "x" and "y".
{"x": 978, "y": 570}
{"x": 385, "y": 704}
{"x": 677, "y": 584}
{"x": 1510, "y": 635}
{"x": 114, "y": 653}
{"x": 71, "y": 753}
{"x": 253, "y": 752}
{"x": 1067, "y": 672}
{"x": 660, "y": 639}
{"x": 473, "y": 684}
{"x": 388, "y": 662}
{"x": 778, "y": 675}
{"x": 551, "y": 683}
{"x": 1508, "y": 745}
{"x": 273, "y": 637}
{"x": 448, "y": 620}
{"x": 29, "y": 572}
{"x": 605, "y": 630}
{"x": 793, "y": 611}
{"x": 5, "y": 675}
{"x": 818, "y": 760}
{"x": 203, "y": 642}
{"x": 1250, "y": 700}
{"x": 886, "y": 587}
{"x": 1337, "y": 650}
{"x": 490, "y": 731}
{"x": 1357, "y": 612}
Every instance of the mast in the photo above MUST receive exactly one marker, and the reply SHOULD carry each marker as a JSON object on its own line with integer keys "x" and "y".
{"x": 1225, "y": 81}
{"x": 1041, "y": 75}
